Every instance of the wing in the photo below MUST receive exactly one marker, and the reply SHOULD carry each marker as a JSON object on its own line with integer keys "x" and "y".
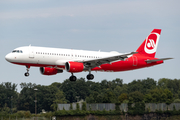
{"x": 97, "y": 62}
{"x": 155, "y": 60}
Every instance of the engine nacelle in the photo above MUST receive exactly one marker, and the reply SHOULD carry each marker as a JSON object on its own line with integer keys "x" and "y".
{"x": 74, "y": 67}
{"x": 49, "y": 71}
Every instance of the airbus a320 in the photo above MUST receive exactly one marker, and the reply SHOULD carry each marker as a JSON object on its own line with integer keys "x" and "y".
{"x": 55, "y": 60}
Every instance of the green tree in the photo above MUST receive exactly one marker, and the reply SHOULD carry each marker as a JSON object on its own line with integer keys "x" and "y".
{"x": 8, "y": 95}
{"x": 45, "y": 95}
{"x": 56, "y": 84}
{"x": 77, "y": 107}
{"x": 135, "y": 86}
{"x": 26, "y": 97}
{"x": 158, "y": 95}
{"x": 109, "y": 97}
{"x": 84, "y": 106}
{"x": 59, "y": 98}
{"x": 95, "y": 97}
{"x": 148, "y": 84}
{"x": 71, "y": 107}
{"x": 176, "y": 101}
{"x": 90, "y": 99}
{"x": 119, "y": 90}
{"x": 142, "y": 86}
{"x": 73, "y": 89}
{"x": 26, "y": 100}
{"x": 136, "y": 97}
{"x": 163, "y": 82}
{"x": 122, "y": 97}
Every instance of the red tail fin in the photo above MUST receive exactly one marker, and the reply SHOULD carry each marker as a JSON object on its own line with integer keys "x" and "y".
{"x": 149, "y": 46}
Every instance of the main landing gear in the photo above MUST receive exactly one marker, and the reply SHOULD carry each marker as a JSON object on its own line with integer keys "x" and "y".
{"x": 72, "y": 78}
{"x": 27, "y": 73}
{"x": 89, "y": 76}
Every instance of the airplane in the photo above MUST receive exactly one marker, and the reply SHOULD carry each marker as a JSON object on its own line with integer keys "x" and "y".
{"x": 55, "y": 60}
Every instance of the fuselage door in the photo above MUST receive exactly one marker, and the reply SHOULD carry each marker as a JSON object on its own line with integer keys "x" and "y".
{"x": 31, "y": 52}
{"x": 134, "y": 60}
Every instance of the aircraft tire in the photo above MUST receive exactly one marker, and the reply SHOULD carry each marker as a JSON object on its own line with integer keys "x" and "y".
{"x": 73, "y": 78}
{"x": 26, "y": 74}
{"x": 90, "y": 76}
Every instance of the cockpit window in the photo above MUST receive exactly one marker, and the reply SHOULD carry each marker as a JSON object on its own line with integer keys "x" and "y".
{"x": 17, "y": 51}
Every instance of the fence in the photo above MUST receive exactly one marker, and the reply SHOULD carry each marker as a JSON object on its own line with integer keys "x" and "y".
{"x": 161, "y": 106}
{"x": 152, "y": 107}
{"x": 101, "y": 106}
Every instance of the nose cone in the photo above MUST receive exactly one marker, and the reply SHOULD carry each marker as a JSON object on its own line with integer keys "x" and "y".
{"x": 8, "y": 57}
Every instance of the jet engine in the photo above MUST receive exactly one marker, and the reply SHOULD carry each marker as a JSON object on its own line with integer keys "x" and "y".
{"x": 49, "y": 71}
{"x": 74, "y": 67}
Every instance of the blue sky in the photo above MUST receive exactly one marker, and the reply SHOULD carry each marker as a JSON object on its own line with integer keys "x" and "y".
{"x": 116, "y": 25}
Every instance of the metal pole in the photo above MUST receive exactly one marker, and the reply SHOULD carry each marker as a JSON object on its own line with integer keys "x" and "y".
{"x": 35, "y": 102}
{"x": 11, "y": 104}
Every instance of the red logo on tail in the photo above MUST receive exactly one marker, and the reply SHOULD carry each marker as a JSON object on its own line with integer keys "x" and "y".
{"x": 150, "y": 45}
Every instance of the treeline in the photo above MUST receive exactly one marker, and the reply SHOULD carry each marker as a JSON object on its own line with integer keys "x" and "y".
{"x": 115, "y": 91}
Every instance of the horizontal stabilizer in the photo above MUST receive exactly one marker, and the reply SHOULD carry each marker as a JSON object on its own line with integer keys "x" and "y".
{"x": 155, "y": 60}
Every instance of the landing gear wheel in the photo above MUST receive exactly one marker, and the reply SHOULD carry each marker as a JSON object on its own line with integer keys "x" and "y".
{"x": 72, "y": 78}
{"x": 90, "y": 76}
{"x": 26, "y": 74}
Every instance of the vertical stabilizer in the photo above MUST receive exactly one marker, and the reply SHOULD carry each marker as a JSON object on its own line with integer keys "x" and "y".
{"x": 149, "y": 46}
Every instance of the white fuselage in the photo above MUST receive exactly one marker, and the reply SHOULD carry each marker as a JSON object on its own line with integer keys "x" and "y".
{"x": 52, "y": 56}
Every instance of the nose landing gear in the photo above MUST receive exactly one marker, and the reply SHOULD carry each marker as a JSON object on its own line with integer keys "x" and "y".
{"x": 27, "y": 73}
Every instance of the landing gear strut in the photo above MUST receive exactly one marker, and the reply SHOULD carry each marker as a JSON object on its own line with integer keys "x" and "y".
{"x": 72, "y": 78}
{"x": 27, "y": 73}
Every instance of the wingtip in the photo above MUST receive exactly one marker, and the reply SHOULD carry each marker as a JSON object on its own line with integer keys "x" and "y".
{"x": 134, "y": 52}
